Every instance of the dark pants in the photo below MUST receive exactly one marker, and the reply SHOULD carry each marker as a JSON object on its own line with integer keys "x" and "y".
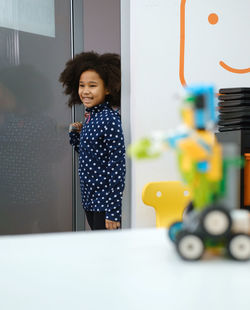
{"x": 96, "y": 220}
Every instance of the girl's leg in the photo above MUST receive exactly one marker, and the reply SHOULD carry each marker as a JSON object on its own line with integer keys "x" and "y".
{"x": 99, "y": 220}
{"x": 90, "y": 218}
{"x": 96, "y": 220}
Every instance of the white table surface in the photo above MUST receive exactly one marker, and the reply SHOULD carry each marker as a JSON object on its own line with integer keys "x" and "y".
{"x": 128, "y": 269}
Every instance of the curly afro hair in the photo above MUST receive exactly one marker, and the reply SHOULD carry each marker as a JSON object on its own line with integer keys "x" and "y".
{"x": 108, "y": 66}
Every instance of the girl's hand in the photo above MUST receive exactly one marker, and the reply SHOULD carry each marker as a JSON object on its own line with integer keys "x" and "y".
{"x": 112, "y": 224}
{"x": 77, "y": 126}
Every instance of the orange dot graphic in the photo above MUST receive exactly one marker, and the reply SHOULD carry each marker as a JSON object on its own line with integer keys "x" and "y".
{"x": 213, "y": 18}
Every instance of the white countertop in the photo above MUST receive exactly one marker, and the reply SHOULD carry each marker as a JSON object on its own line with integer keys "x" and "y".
{"x": 127, "y": 269}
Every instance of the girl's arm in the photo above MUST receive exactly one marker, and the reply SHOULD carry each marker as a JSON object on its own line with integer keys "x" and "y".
{"x": 74, "y": 135}
{"x": 116, "y": 169}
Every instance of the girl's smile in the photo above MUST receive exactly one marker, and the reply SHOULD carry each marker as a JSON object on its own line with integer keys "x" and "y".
{"x": 91, "y": 89}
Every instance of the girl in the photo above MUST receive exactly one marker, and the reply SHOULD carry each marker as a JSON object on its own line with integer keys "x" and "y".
{"x": 95, "y": 81}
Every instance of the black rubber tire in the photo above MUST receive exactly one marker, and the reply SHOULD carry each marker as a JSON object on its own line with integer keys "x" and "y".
{"x": 238, "y": 247}
{"x": 216, "y": 222}
{"x": 190, "y": 246}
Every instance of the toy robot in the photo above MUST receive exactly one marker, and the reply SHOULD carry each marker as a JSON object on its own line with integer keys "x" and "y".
{"x": 207, "y": 223}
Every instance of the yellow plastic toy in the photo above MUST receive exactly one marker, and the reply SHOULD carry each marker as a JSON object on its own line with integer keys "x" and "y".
{"x": 169, "y": 199}
{"x": 207, "y": 223}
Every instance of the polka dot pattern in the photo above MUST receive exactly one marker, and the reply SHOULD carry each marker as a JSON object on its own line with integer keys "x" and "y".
{"x": 101, "y": 161}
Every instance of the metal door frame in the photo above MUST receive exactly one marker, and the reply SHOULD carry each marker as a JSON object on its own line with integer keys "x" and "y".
{"x": 77, "y": 46}
{"x": 76, "y": 31}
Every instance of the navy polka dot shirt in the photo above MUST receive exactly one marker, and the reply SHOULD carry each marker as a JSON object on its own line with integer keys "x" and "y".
{"x": 101, "y": 161}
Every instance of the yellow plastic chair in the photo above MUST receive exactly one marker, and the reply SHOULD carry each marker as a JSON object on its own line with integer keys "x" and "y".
{"x": 169, "y": 199}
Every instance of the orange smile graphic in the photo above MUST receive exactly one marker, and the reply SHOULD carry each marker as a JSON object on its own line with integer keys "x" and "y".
{"x": 233, "y": 70}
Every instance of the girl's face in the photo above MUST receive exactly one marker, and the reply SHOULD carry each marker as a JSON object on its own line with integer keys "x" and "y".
{"x": 91, "y": 89}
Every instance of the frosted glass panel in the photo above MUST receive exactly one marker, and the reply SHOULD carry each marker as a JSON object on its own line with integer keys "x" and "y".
{"x": 35, "y": 155}
{"x": 34, "y": 16}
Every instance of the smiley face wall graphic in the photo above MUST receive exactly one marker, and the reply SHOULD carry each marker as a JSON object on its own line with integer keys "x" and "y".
{"x": 214, "y": 42}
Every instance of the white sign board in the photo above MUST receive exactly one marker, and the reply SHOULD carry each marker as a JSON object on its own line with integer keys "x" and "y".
{"x": 173, "y": 43}
{"x": 214, "y": 45}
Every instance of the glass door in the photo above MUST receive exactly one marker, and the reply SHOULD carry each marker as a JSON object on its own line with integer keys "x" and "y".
{"x": 35, "y": 156}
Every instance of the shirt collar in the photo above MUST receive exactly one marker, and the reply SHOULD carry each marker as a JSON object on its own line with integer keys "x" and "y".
{"x": 98, "y": 107}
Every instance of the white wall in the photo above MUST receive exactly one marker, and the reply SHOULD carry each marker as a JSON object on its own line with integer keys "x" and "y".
{"x": 155, "y": 83}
